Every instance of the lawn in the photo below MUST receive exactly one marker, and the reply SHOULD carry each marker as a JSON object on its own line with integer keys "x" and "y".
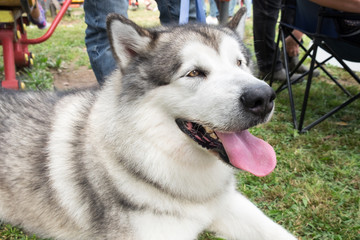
{"x": 313, "y": 192}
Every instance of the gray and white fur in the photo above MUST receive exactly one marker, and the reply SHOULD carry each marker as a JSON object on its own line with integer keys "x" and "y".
{"x": 112, "y": 163}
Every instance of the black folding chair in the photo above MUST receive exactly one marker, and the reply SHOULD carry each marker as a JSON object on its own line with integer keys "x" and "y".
{"x": 338, "y": 33}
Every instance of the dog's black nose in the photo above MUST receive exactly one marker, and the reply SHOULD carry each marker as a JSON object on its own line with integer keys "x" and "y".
{"x": 258, "y": 99}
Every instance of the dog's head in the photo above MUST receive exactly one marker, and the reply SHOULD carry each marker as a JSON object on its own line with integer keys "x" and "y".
{"x": 200, "y": 76}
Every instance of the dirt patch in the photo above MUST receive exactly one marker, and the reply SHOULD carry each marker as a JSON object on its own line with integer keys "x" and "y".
{"x": 71, "y": 78}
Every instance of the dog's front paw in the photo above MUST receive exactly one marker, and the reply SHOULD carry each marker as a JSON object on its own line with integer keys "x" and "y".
{"x": 283, "y": 235}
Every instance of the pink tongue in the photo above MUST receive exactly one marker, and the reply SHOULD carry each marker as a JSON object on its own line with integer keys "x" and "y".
{"x": 248, "y": 152}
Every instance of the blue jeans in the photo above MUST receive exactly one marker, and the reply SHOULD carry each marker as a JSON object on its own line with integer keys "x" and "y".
{"x": 170, "y": 11}
{"x": 214, "y": 11}
{"x": 96, "y": 40}
{"x": 248, "y": 5}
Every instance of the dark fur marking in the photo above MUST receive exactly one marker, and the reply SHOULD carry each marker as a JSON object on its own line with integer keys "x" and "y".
{"x": 89, "y": 195}
{"x": 91, "y": 192}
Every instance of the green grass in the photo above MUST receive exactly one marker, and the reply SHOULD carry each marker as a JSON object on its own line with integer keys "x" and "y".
{"x": 8, "y": 232}
{"x": 314, "y": 190}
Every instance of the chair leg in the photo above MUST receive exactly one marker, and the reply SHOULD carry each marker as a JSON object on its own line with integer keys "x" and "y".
{"x": 310, "y": 52}
{"x": 336, "y": 82}
{"x": 334, "y": 55}
{"x": 275, "y": 57}
{"x": 288, "y": 82}
{"x": 333, "y": 111}
{"x": 307, "y": 54}
{"x": 308, "y": 86}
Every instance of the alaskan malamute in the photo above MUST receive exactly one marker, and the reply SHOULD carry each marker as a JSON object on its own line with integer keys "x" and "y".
{"x": 149, "y": 156}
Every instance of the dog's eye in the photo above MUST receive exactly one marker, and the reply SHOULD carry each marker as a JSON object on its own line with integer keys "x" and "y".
{"x": 239, "y": 62}
{"x": 196, "y": 73}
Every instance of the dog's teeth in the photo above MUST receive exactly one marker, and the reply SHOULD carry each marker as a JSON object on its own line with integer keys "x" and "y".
{"x": 208, "y": 130}
{"x": 213, "y": 135}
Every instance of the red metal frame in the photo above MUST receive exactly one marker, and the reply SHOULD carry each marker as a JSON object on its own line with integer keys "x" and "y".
{"x": 10, "y": 81}
{"x": 15, "y": 51}
{"x": 52, "y": 28}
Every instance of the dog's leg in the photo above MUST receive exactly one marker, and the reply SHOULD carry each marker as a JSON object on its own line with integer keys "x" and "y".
{"x": 239, "y": 219}
{"x": 149, "y": 226}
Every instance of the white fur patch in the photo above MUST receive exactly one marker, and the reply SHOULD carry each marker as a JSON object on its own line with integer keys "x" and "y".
{"x": 62, "y": 171}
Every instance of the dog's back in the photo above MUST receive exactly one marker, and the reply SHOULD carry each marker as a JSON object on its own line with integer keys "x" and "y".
{"x": 26, "y": 123}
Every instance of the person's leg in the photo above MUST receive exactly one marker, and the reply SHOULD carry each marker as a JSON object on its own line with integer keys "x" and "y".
{"x": 265, "y": 17}
{"x": 213, "y": 9}
{"x": 232, "y": 7}
{"x": 248, "y": 5}
{"x": 170, "y": 11}
{"x": 212, "y": 18}
{"x": 96, "y": 40}
{"x": 288, "y": 16}
{"x": 264, "y": 22}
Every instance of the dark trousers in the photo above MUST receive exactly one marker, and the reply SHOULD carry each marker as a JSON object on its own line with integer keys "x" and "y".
{"x": 265, "y": 17}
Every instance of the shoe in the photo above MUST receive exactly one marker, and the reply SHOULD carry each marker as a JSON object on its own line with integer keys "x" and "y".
{"x": 39, "y": 18}
{"x": 293, "y": 61}
{"x": 279, "y": 75}
{"x": 212, "y": 20}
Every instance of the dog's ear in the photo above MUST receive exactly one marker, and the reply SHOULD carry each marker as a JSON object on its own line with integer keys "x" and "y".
{"x": 126, "y": 38}
{"x": 237, "y": 23}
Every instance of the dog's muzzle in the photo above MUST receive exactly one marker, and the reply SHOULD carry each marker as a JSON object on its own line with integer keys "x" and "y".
{"x": 204, "y": 136}
{"x": 240, "y": 148}
{"x": 258, "y": 100}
